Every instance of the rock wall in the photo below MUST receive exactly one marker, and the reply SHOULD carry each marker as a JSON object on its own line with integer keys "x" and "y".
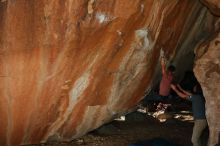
{"x": 207, "y": 70}
{"x": 67, "y": 67}
{"x": 213, "y": 5}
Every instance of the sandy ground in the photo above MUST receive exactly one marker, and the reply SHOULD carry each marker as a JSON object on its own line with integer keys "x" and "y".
{"x": 137, "y": 126}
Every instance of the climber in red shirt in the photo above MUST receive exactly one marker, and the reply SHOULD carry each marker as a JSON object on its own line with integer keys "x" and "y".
{"x": 167, "y": 78}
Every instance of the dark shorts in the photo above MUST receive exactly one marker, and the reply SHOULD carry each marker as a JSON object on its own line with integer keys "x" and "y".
{"x": 164, "y": 99}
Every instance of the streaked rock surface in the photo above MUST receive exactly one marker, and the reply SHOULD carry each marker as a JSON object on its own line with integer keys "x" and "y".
{"x": 67, "y": 67}
{"x": 213, "y": 5}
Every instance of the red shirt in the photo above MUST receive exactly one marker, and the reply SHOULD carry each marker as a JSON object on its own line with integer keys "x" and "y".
{"x": 165, "y": 84}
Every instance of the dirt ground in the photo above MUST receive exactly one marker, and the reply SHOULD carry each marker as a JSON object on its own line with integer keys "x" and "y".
{"x": 137, "y": 126}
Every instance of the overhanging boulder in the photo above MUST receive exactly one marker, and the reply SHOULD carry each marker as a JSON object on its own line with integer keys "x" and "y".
{"x": 67, "y": 67}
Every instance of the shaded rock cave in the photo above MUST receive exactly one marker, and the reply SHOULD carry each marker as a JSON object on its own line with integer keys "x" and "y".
{"x": 69, "y": 67}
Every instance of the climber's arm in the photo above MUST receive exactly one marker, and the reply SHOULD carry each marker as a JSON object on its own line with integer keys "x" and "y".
{"x": 163, "y": 64}
{"x": 184, "y": 91}
{"x": 180, "y": 93}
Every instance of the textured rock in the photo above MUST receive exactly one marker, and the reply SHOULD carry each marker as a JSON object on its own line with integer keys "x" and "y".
{"x": 207, "y": 70}
{"x": 67, "y": 67}
{"x": 213, "y": 5}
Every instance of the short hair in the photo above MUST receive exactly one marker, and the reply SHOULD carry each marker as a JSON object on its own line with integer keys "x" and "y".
{"x": 171, "y": 68}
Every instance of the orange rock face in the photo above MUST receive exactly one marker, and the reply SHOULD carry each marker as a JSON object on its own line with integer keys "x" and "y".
{"x": 67, "y": 67}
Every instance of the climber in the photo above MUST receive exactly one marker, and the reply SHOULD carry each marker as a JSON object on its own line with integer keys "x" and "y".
{"x": 167, "y": 78}
{"x": 198, "y": 109}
